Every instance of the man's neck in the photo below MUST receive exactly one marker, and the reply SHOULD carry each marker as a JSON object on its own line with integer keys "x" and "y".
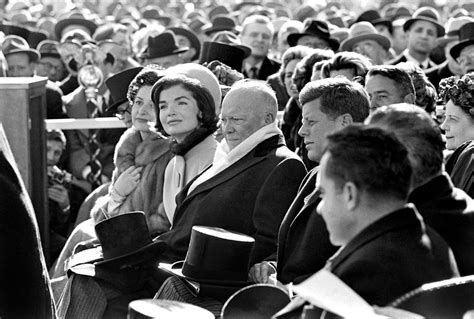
{"x": 419, "y": 56}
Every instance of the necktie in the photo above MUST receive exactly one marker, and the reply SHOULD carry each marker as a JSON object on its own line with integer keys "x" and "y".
{"x": 253, "y": 72}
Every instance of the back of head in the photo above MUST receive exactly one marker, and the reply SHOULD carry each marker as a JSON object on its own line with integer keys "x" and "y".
{"x": 425, "y": 91}
{"x": 304, "y": 68}
{"x": 419, "y": 133}
{"x": 358, "y": 153}
{"x": 338, "y": 96}
{"x": 356, "y": 62}
{"x": 401, "y": 77}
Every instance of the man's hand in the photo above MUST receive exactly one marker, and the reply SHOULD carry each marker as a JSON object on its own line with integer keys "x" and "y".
{"x": 60, "y": 195}
{"x": 259, "y": 273}
{"x": 127, "y": 181}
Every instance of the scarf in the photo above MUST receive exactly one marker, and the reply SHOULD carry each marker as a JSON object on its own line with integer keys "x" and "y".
{"x": 225, "y": 157}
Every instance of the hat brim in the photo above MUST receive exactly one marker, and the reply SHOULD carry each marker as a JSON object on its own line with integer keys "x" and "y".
{"x": 177, "y": 269}
{"x": 195, "y": 43}
{"x": 32, "y": 54}
{"x": 456, "y": 50}
{"x": 294, "y": 37}
{"x": 95, "y": 256}
{"x": 347, "y": 44}
{"x": 445, "y": 40}
{"x": 61, "y": 24}
{"x": 115, "y": 105}
{"x": 146, "y": 55}
{"x": 208, "y": 31}
{"x": 439, "y": 28}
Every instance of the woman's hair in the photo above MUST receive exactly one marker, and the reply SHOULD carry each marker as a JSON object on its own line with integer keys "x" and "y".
{"x": 149, "y": 75}
{"x": 205, "y": 102}
{"x": 293, "y": 53}
{"x": 347, "y": 60}
{"x": 460, "y": 92}
{"x": 304, "y": 68}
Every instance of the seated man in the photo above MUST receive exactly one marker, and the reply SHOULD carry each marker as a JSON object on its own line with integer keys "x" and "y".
{"x": 303, "y": 240}
{"x": 252, "y": 181}
{"x": 449, "y": 210}
{"x": 386, "y": 248}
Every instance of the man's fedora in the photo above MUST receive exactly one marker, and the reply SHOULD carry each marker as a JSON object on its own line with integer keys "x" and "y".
{"x": 124, "y": 242}
{"x": 452, "y": 29}
{"x": 10, "y": 29}
{"x": 191, "y": 36}
{"x": 118, "y": 86}
{"x": 48, "y": 48}
{"x": 231, "y": 55}
{"x": 228, "y": 37}
{"x": 466, "y": 38}
{"x": 316, "y": 28}
{"x": 220, "y": 23}
{"x": 74, "y": 19}
{"x": 153, "y": 12}
{"x": 374, "y": 17}
{"x": 14, "y": 44}
{"x": 364, "y": 31}
{"x": 425, "y": 14}
{"x": 162, "y": 45}
{"x": 217, "y": 257}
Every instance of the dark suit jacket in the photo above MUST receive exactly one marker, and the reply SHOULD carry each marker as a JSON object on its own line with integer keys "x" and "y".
{"x": 436, "y": 74}
{"x": 392, "y": 256}
{"x": 268, "y": 68}
{"x": 251, "y": 197}
{"x": 25, "y": 291}
{"x": 450, "y": 211}
{"x": 303, "y": 240}
{"x": 280, "y": 90}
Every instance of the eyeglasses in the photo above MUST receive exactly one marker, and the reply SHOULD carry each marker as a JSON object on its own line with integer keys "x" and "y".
{"x": 120, "y": 113}
{"x": 465, "y": 58}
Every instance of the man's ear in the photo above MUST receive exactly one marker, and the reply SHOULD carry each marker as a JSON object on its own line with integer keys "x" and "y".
{"x": 344, "y": 120}
{"x": 409, "y": 98}
{"x": 269, "y": 118}
{"x": 351, "y": 195}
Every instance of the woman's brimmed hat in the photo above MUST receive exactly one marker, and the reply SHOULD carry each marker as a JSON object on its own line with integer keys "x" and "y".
{"x": 425, "y": 14}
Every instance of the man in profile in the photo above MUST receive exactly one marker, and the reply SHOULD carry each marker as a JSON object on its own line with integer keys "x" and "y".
{"x": 386, "y": 248}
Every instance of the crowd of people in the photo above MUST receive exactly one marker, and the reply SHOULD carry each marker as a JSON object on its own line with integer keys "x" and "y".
{"x": 338, "y": 136}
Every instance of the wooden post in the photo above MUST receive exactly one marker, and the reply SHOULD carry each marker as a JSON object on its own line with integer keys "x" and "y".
{"x": 22, "y": 113}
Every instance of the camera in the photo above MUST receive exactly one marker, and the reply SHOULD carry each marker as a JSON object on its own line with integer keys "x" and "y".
{"x": 57, "y": 176}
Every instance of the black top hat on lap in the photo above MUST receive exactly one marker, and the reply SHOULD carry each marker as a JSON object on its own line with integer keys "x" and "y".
{"x": 316, "y": 28}
{"x": 118, "y": 86}
{"x": 125, "y": 241}
{"x": 231, "y": 55}
{"x": 466, "y": 38}
{"x": 162, "y": 45}
{"x": 216, "y": 256}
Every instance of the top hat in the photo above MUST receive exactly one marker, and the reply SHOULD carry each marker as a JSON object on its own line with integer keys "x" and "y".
{"x": 162, "y": 45}
{"x": 220, "y": 23}
{"x": 74, "y": 19}
{"x": 364, "y": 31}
{"x": 425, "y": 14}
{"x": 466, "y": 38}
{"x": 165, "y": 309}
{"x": 14, "y": 44}
{"x": 153, "y": 12}
{"x": 48, "y": 48}
{"x": 118, "y": 86}
{"x": 191, "y": 36}
{"x": 452, "y": 29}
{"x": 124, "y": 241}
{"x": 228, "y": 54}
{"x": 255, "y": 301}
{"x": 216, "y": 256}
{"x": 316, "y": 28}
